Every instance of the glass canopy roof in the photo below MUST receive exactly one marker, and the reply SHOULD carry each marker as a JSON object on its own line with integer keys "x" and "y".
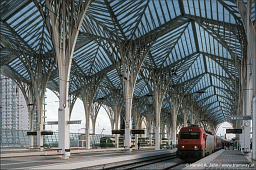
{"x": 202, "y": 40}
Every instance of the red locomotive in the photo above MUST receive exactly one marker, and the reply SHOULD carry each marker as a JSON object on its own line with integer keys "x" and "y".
{"x": 194, "y": 143}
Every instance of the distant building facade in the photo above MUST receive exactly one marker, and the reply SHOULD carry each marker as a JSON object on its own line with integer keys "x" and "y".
{"x": 14, "y": 112}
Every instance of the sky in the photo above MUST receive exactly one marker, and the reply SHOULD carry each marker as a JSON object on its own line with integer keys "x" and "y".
{"x": 222, "y": 130}
{"x": 78, "y": 113}
{"x": 102, "y": 121}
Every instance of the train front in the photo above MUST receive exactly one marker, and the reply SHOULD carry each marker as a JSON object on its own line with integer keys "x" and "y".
{"x": 191, "y": 143}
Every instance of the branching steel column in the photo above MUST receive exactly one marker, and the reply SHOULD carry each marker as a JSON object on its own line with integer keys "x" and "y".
{"x": 94, "y": 114}
{"x": 89, "y": 86}
{"x": 115, "y": 101}
{"x": 158, "y": 81}
{"x": 132, "y": 55}
{"x": 95, "y": 110}
{"x": 138, "y": 107}
{"x": 176, "y": 95}
{"x": 63, "y": 21}
{"x": 149, "y": 129}
{"x": 117, "y": 111}
{"x": 111, "y": 115}
{"x": 185, "y": 118}
{"x": 39, "y": 68}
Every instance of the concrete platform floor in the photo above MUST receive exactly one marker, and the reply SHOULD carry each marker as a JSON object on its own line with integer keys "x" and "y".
{"x": 13, "y": 158}
{"x": 223, "y": 159}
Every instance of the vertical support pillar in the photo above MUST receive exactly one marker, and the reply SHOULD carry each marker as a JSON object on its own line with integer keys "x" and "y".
{"x": 116, "y": 127}
{"x": 149, "y": 133}
{"x": 192, "y": 119}
{"x": 254, "y": 129}
{"x": 136, "y": 127}
{"x": 185, "y": 119}
{"x": 63, "y": 117}
{"x": 174, "y": 126}
{"x": 39, "y": 126}
{"x": 87, "y": 130}
{"x": 169, "y": 135}
{"x": 39, "y": 136}
{"x": 247, "y": 129}
{"x": 136, "y": 140}
{"x": 157, "y": 128}
{"x": 128, "y": 121}
{"x": 31, "y": 137}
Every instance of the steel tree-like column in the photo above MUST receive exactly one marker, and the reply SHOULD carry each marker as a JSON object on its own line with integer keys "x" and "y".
{"x": 88, "y": 91}
{"x": 111, "y": 115}
{"x": 95, "y": 110}
{"x": 132, "y": 55}
{"x": 157, "y": 127}
{"x": 128, "y": 94}
{"x": 117, "y": 117}
{"x": 138, "y": 107}
{"x": 149, "y": 129}
{"x": 176, "y": 94}
{"x": 185, "y": 116}
{"x": 39, "y": 68}
{"x": 116, "y": 102}
{"x": 158, "y": 80}
{"x": 63, "y": 21}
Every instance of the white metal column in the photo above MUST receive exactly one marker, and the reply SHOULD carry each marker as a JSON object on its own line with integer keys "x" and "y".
{"x": 254, "y": 130}
{"x": 87, "y": 130}
{"x": 64, "y": 35}
{"x": 174, "y": 126}
{"x": 117, "y": 127}
{"x": 185, "y": 119}
{"x": 128, "y": 121}
{"x": 157, "y": 128}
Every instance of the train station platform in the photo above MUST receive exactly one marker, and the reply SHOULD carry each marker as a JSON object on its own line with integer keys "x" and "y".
{"x": 25, "y": 152}
{"x": 79, "y": 158}
{"x": 224, "y": 159}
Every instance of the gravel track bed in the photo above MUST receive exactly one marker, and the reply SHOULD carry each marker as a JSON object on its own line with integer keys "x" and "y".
{"x": 162, "y": 165}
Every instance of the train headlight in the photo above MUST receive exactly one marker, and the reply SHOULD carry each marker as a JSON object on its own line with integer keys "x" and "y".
{"x": 195, "y": 147}
{"x": 182, "y": 147}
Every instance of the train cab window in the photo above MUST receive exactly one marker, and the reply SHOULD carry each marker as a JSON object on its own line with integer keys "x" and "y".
{"x": 190, "y": 135}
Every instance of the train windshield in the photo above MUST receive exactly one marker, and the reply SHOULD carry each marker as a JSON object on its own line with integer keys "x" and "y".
{"x": 190, "y": 135}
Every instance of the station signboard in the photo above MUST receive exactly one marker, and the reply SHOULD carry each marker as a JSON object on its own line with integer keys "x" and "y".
{"x": 135, "y": 131}
{"x": 32, "y": 133}
{"x": 47, "y": 133}
{"x": 120, "y": 131}
{"x": 234, "y": 131}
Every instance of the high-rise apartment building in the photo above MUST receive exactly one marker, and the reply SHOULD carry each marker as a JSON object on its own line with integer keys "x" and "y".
{"x": 14, "y": 113}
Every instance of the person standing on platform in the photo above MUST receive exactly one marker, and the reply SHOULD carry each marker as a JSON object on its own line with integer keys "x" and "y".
{"x": 138, "y": 145}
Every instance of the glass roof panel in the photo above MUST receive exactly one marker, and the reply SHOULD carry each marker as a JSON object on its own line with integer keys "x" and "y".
{"x": 201, "y": 44}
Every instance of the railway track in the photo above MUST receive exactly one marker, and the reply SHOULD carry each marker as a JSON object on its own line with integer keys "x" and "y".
{"x": 142, "y": 163}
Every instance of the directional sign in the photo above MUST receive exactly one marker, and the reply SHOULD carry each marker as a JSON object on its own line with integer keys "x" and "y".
{"x": 241, "y": 118}
{"x": 121, "y": 131}
{"x": 52, "y": 122}
{"x": 235, "y": 131}
{"x": 32, "y": 133}
{"x": 74, "y": 122}
{"x": 68, "y": 122}
{"x": 47, "y": 133}
{"x": 135, "y": 131}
